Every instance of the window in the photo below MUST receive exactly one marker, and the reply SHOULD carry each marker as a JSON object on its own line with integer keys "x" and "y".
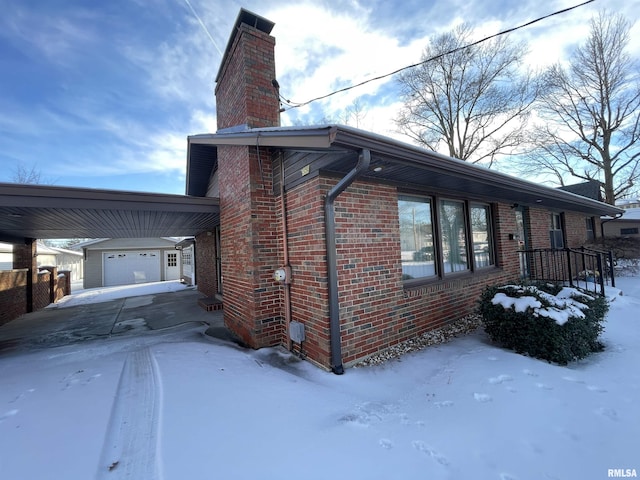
{"x": 590, "y": 229}
{"x": 629, "y": 231}
{"x": 483, "y": 254}
{"x": 453, "y": 236}
{"x": 416, "y": 238}
{"x": 172, "y": 259}
{"x": 438, "y": 235}
{"x": 555, "y": 234}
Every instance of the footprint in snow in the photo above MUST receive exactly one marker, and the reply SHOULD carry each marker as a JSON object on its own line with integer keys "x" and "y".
{"x": 506, "y": 476}
{"x": 544, "y": 386}
{"x": 595, "y": 388}
{"x": 385, "y": 443}
{"x": 444, "y": 403}
{"x": 610, "y": 413}
{"x": 424, "y": 448}
{"x": 22, "y": 395}
{"x": 482, "y": 397}
{"x": 526, "y": 371}
{"x": 8, "y": 414}
{"x": 500, "y": 379}
{"x": 572, "y": 379}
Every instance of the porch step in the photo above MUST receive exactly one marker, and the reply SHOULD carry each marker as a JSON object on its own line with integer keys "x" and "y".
{"x": 210, "y": 304}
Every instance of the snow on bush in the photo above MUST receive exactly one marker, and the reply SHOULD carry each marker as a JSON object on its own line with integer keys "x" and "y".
{"x": 558, "y": 324}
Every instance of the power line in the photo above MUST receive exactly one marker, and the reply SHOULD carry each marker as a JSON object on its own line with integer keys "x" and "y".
{"x": 293, "y": 105}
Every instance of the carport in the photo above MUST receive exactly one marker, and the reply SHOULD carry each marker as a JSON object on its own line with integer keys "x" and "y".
{"x": 30, "y": 212}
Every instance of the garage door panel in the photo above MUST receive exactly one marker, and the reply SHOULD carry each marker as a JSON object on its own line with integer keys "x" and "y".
{"x": 137, "y": 266}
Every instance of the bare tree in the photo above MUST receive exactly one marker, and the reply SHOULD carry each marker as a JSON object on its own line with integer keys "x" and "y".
{"x": 591, "y": 113}
{"x": 26, "y": 175}
{"x": 354, "y": 114}
{"x": 474, "y": 101}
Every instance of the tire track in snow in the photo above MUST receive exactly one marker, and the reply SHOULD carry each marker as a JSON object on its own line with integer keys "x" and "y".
{"x": 131, "y": 448}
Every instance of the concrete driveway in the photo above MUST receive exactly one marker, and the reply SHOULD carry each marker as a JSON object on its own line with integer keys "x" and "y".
{"x": 141, "y": 315}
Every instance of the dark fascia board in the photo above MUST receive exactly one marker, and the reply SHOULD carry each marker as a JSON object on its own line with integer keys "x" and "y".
{"x": 23, "y": 195}
{"x": 341, "y": 137}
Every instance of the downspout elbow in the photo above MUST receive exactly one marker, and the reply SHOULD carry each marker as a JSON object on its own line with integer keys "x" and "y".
{"x": 364, "y": 160}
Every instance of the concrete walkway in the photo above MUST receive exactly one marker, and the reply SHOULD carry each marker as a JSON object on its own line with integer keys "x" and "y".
{"x": 55, "y": 326}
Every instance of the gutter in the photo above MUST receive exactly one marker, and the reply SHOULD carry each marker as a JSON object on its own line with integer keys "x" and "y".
{"x": 602, "y": 222}
{"x": 364, "y": 159}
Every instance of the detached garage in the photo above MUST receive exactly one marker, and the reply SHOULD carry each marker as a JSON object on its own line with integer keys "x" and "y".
{"x": 123, "y": 261}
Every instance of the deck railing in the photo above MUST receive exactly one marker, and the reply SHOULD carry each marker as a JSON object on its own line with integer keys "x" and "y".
{"x": 583, "y": 267}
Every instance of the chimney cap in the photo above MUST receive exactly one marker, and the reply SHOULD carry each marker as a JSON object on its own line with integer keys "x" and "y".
{"x": 254, "y": 20}
{"x": 249, "y": 18}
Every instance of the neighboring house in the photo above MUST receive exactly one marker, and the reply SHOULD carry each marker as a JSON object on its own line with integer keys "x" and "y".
{"x": 337, "y": 242}
{"x": 123, "y": 261}
{"x": 63, "y": 259}
{"x": 6, "y": 256}
{"x": 628, "y": 225}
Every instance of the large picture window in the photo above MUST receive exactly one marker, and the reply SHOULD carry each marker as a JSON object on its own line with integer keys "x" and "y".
{"x": 439, "y": 237}
{"x": 416, "y": 238}
{"x": 483, "y": 254}
{"x": 453, "y": 236}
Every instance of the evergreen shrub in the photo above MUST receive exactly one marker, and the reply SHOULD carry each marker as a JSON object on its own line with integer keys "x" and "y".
{"x": 546, "y": 321}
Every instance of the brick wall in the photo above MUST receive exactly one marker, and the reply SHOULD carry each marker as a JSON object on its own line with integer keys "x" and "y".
{"x": 19, "y": 296}
{"x": 13, "y": 294}
{"x": 250, "y": 245}
{"x": 244, "y": 93}
{"x": 249, "y": 218}
{"x": 42, "y": 290}
{"x": 575, "y": 229}
{"x": 539, "y": 226}
{"x": 376, "y": 311}
{"x": 205, "y": 261}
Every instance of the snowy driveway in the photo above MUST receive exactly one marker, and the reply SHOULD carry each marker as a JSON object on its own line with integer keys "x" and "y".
{"x": 97, "y": 313}
{"x": 174, "y": 404}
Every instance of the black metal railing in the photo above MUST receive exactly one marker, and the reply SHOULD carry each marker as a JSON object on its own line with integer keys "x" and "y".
{"x": 582, "y": 267}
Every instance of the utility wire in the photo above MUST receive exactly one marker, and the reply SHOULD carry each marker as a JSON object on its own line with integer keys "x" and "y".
{"x": 293, "y": 105}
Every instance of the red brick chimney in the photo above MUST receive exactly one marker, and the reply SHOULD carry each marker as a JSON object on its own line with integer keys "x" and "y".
{"x": 250, "y": 245}
{"x": 244, "y": 90}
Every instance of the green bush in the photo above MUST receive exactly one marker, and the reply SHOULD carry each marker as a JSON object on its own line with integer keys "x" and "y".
{"x": 544, "y": 321}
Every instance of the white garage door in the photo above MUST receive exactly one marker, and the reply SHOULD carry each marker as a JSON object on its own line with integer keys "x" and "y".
{"x": 138, "y": 266}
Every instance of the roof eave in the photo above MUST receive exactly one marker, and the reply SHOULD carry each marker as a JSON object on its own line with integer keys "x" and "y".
{"x": 343, "y": 137}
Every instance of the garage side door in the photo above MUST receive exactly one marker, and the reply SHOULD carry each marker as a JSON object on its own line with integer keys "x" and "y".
{"x": 138, "y": 266}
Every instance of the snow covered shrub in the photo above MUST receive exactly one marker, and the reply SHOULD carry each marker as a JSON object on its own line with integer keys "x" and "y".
{"x": 558, "y": 324}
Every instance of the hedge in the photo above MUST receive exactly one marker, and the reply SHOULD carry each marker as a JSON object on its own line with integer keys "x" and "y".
{"x": 546, "y": 321}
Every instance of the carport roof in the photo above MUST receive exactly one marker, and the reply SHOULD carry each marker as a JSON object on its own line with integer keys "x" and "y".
{"x": 39, "y": 211}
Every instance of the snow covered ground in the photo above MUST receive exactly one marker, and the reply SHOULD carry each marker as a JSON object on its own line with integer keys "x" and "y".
{"x": 179, "y": 405}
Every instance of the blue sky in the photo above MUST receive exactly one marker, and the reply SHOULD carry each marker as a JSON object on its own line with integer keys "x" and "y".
{"x": 103, "y": 94}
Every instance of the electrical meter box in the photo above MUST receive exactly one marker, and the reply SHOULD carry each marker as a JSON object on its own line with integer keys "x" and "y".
{"x": 296, "y": 331}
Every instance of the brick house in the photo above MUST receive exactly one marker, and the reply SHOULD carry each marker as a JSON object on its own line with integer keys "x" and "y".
{"x": 376, "y": 241}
